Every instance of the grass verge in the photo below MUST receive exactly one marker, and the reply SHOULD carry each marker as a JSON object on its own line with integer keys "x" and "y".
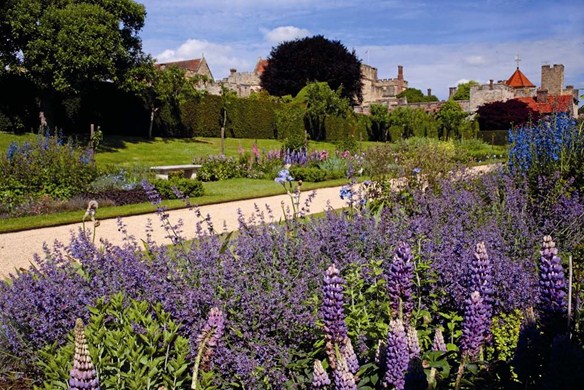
{"x": 216, "y": 192}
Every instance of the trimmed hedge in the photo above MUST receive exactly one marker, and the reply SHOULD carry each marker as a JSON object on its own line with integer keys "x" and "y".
{"x": 246, "y": 118}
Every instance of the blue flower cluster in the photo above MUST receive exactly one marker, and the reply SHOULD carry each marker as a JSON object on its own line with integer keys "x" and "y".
{"x": 283, "y": 177}
{"x": 296, "y": 157}
{"x": 546, "y": 144}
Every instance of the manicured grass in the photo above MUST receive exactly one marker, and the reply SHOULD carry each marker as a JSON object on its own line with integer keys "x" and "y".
{"x": 216, "y": 192}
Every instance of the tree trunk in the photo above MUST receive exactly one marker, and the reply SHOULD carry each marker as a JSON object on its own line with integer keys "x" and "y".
{"x": 223, "y": 132}
{"x": 152, "y": 111}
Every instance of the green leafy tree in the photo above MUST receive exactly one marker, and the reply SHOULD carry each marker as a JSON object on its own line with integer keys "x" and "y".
{"x": 321, "y": 101}
{"x": 412, "y": 122}
{"x": 414, "y": 95}
{"x": 161, "y": 87}
{"x": 450, "y": 118}
{"x": 294, "y": 64}
{"x": 463, "y": 90}
{"x": 64, "y": 46}
{"x": 379, "y": 122}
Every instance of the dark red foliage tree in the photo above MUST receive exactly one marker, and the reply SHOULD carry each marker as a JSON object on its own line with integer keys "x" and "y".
{"x": 503, "y": 115}
{"x": 293, "y": 64}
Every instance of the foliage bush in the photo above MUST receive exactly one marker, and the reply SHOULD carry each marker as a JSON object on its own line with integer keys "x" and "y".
{"x": 503, "y": 115}
{"x": 133, "y": 345}
{"x": 218, "y": 167}
{"x": 50, "y": 167}
{"x": 307, "y": 174}
{"x": 187, "y": 187}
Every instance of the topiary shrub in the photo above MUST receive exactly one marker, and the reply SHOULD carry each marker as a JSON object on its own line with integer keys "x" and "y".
{"x": 187, "y": 187}
{"x": 313, "y": 175}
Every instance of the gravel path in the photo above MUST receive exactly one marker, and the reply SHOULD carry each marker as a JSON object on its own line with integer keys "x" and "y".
{"x": 17, "y": 249}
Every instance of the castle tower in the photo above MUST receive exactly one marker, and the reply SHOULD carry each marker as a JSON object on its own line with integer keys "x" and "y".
{"x": 552, "y": 79}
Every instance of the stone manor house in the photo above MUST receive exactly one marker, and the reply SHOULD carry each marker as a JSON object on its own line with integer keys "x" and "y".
{"x": 550, "y": 96}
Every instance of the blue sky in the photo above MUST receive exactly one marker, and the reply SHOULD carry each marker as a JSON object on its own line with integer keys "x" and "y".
{"x": 439, "y": 43}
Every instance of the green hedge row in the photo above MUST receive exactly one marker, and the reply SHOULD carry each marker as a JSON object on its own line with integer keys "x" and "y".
{"x": 246, "y": 118}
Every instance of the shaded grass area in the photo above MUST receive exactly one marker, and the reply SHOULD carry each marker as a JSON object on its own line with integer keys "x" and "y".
{"x": 216, "y": 192}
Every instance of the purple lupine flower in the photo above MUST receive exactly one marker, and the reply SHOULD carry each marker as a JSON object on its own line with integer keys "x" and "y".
{"x": 396, "y": 362}
{"x": 438, "y": 344}
{"x": 474, "y": 325}
{"x": 342, "y": 376}
{"x": 399, "y": 276}
{"x": 83, "y": 374}
{"x": 348, "y": 353}
{"x": 210, "y": 335}
{"x": 413, "y": 343}
{"x": 481, "y": 275}
{"x": 320, "y": 379}
{"x": 335, "y": 329}
{"x": 552, "y": 283}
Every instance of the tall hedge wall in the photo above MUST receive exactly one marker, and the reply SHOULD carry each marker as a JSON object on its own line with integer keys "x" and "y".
{"x": 246, "y": 118}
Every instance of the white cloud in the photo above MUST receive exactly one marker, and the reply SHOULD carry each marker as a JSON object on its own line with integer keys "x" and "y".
{"x": 220, "y": 58}
{"x": 285, "y": 33}
{"x": 475, "y": 60}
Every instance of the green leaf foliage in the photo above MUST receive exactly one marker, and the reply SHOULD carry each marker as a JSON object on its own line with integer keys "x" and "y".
{"x": 133, "y": 346}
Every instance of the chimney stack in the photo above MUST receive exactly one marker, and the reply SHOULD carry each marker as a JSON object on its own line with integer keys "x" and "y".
{"x": 429, "y": 91}
{"x": 491, "y": 85}
{"x": 400, "y": 72}
{"x": 542, "y": 95}
{"x": 451, "y": 92}
{"x": 232, "y": 71}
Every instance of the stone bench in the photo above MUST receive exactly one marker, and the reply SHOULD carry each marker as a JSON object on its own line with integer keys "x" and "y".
{"x": 190, "y": 170}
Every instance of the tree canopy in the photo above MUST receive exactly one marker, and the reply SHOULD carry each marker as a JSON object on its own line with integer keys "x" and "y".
{"x": 415, "y": 95}
{"x": 450, "y": 118}
{"x": 503, "y": 115}
{"x": 463, "y": 90}
{"x": 294, "y": 64}
{"x": 62, "y": 45}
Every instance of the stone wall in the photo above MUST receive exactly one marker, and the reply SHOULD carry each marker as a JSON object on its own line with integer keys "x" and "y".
{"x": 489, "y": 93}
{"x": 552, "y": 79}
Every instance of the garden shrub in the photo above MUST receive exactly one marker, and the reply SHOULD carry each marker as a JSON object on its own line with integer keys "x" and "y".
{"x": 202, "y": 116}
{"x": 290, "y": 126}
{"x": 51, "y": 167}
{"x": 308, "y": 174}
{"x": 214, "y": 168}
{"x": 132, "y": 344}
{"x": 187, "y": 187}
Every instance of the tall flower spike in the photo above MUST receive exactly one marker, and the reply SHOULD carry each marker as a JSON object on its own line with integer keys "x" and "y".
{"x": 342, "y": 376}
{"x": 349, "y": 354}
{"x": 399, "y": 276}
{"x": 210, "y": 335}
{"x": 438, "y": 344}
{"x": 83, "y": 375}
{"x": 481, "y": 278}
{"x": 552, "y": 283}
{"x": 413, "y": 343}
{"x": 475, "y": 325}
{"x": 335, "y": 329}
{"x": 397, "y": 356}
{"x": 320, "y": 379}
